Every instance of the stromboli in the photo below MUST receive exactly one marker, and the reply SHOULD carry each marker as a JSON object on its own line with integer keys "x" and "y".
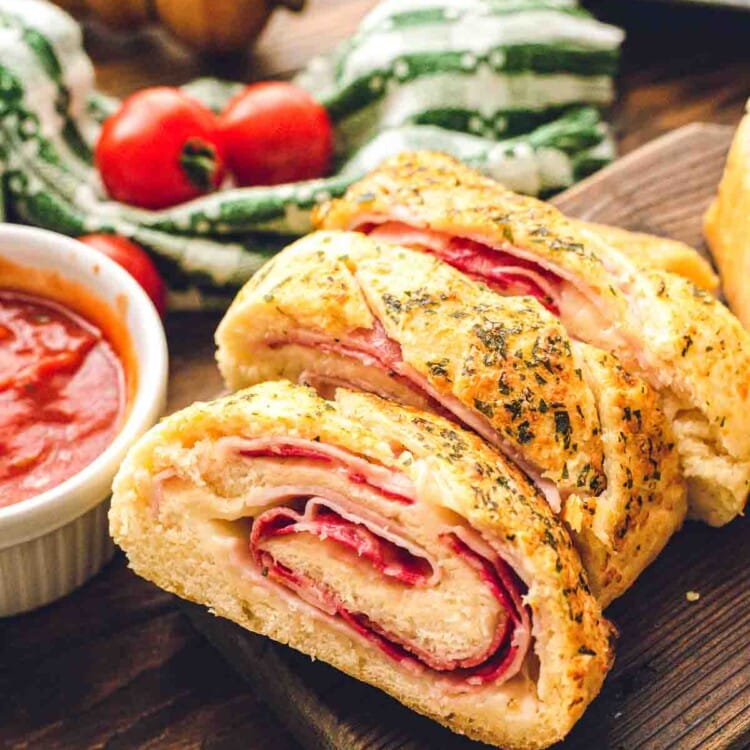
{"x": 341, "y": 309}
{"x": 685, "y": 343}
{"x": 206, "y": 505}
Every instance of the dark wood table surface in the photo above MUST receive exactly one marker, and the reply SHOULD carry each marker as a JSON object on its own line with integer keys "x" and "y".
{"x": 117, "y": 665}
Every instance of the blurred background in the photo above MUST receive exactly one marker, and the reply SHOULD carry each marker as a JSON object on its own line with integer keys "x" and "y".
{"x": 682, "y": 61}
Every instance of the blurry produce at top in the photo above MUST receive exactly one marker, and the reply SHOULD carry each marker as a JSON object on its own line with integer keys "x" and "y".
{"x": 211, "y": 25}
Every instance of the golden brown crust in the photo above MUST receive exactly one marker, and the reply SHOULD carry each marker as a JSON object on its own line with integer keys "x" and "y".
{"x": 171, "y": 548}
{"x": 645, "y": 501}
{"x": 506, "y": 359}
{"x": 686, "y": 343}
{"x": 648, "y": 251}
{"x": 704, "y": 353}
{"x": 727, "y": 224}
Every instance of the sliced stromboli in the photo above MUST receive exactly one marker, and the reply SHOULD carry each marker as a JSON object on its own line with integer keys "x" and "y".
{"x": 342, "y": 528}
{"x": 688, "y": 345}
{"x": 338, "y": 309}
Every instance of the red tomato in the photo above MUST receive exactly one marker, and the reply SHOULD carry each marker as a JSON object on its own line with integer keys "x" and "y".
{"x": 160, "y": 148}
{"x": 276, "y": 132}
{"x": 135, "y": 260}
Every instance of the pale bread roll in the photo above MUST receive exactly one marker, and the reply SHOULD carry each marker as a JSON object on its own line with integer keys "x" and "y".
{"x": 727, "y": 224}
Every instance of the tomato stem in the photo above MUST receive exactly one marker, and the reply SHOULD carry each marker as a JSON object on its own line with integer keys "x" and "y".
{"x": 199, "y": 163}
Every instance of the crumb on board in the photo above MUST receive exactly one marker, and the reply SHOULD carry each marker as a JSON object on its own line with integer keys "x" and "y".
{"x": 692, "y": 596}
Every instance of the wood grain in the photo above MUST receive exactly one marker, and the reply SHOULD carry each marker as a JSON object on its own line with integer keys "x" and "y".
{"x": 682, "y": 676}
{"x": 663, "y": 188}
{"x": 118, "y": 666}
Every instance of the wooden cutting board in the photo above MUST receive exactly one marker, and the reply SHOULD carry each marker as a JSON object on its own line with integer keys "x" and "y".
{"x": 682, "y": 675}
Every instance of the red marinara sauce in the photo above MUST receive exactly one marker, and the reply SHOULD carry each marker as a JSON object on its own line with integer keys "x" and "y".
{"x": 62, "y": 394}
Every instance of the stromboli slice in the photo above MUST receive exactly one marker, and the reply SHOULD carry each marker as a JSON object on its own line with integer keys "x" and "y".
{"x": 686, "y": 344}
{"x": 337, "y": 309}
{"x": 342, "y": 528}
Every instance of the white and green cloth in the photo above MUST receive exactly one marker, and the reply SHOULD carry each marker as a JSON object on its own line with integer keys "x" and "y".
{"x": 513, "y": 87}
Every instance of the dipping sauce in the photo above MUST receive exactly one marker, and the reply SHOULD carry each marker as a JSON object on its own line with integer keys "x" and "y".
{"x": 62, "y": 394}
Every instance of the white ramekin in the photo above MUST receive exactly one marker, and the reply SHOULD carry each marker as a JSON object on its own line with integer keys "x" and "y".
{"x": 52, "y": 543}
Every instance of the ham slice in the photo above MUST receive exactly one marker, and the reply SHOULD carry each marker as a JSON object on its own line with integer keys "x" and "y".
{"x": 503, "y": 272}
{"x": 390, "y": 483}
